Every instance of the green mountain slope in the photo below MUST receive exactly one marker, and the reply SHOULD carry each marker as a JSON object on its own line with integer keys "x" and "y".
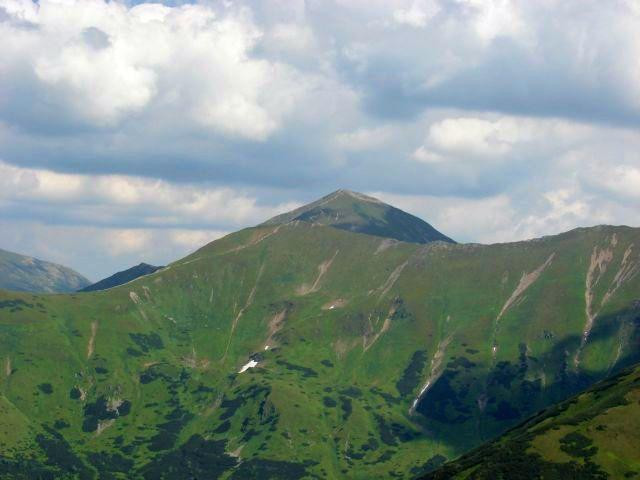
{"x": 360, "y": 213}
{"x": 595, "y": 435}
{"x": 300, "y": 350}
{"x": 122, "y": 277}
{"x": 28, "y": 274}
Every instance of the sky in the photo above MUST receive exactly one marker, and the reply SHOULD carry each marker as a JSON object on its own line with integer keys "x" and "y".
{"x": 134, "y": 131}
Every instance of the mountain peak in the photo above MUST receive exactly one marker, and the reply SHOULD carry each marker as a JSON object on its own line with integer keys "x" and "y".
{"x": 29, "y": 274}
{"x": 356, "y": 212}
{"x": 119, "y": 278}
{"x": 356, "y": 195}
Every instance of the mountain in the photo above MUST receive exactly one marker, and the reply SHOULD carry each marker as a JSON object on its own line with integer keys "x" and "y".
{"x": 300, "y": 350}
{"x": 122, "y": 277}
{"x": 595, "y": 435}
{"x": 360, "y": 213}
{"x": 28, "y": 274}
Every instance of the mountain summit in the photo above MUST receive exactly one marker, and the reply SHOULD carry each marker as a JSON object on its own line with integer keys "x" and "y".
{"x": 122, "y": 277}
{"x": 360, "y": 213}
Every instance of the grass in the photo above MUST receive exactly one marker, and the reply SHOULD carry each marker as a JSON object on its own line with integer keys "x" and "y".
{"x": 593, "y": 435}
{"x": 166, "y": 344}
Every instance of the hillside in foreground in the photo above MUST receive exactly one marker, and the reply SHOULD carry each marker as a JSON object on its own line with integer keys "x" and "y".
{"x": 595, "y": 435}
{"x": 300, "y": 350}
{"x": 28, "y": 274}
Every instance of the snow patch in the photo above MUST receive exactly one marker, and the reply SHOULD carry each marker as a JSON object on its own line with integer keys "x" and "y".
{"x": 415, "y": 401}
{"x": 248, "y": 365}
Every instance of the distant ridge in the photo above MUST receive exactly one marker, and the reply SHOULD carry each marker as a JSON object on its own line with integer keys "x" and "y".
{"x": 122, "y": 277}
{"x": 356, "y": 212}
{"x": 27, "y": 274}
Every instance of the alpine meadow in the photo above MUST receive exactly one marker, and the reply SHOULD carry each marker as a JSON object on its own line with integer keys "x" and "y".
{"x": 303, "y": 348}
{"x": 319, "y": 240}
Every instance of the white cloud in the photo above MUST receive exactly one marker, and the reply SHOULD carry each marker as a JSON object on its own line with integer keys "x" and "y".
{"x": 117, "y": 242}
{"x": 480, "y": 220}
{"x": 424, "y": 155}
{"x": 472, "y": 135}
{"x": 496, "y": 17}
{"x": 497, "y": 137}
{"x": 417, "y": 14}
{"x": 193, "y": 61}
{"x": 478, "y": 136}
{"x": 291, "y": 37}
{"x": 619, "y": 180}
{"x": 511, "y": 118}
{"x": 364, "y": 138}
{"x": 101, "y": 251}
{"x": 193, "y": 239}
{"x": 506, "y": 217}
{"x": 109, "y": 199}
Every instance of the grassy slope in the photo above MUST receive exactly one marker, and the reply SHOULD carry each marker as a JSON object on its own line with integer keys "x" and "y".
{"x": 595, "y": 435}
{"x": 141, "y": 380}
{"x": 27, "y": 274}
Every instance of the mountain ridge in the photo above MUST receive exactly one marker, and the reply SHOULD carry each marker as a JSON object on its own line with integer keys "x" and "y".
{"x": 590, "y": 436}
{"x": 122, "y": 277}
{"x": 305, "y": 347}
{"x": 29, "y": 274}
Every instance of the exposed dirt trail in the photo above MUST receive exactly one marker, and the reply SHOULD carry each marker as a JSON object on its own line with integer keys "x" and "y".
{"x": 628, "y": 269}
{"x": 275, "y": 324}
{"x": 434, "y": 372}
{"x": 92, "y": 339}
{"x": 624, "y": 334}
{"x": 254, "y": 241}
{"x": 391, "y": 280}
{"x": 385, "y": 244}
{"x": 323, "y": 268}
{"x": 598, "y": 265}
{"x": 366, "y": 344}
{"x": 134, "y": 297}
{"x": 243, "y": 309}
{"x": 525, "y": 282}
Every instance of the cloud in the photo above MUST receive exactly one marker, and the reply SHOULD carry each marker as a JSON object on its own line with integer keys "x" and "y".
{"x": 418, "y": 14}
{"x": 474, "y": 136}
{"x": 156, "y": 126}
{"x": 504, "y": 56}
{"x": 364, "y": 138}
{"x": 100, "y": 223}
{"x": 112, "y": 200}
{"x": 117, "y": 242}
{"x": 492, "y": 136}
{"x": 98, "y": 252}
{"x": 99, "y": 63}
{"x": 505, "y": 217}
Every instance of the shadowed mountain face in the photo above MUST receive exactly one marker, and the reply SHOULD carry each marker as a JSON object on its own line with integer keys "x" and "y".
{"x": 122, "y": 277}
{"x": 299, "y": 350}
{"x": 28, "y": 274}
{"x": 356, "y": 212}
{"x": 595, "y": 435}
